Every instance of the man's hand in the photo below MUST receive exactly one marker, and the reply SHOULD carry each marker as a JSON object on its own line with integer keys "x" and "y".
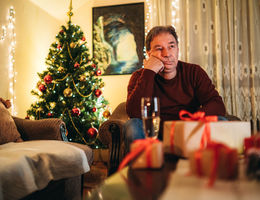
{"x": 153, "y": 63}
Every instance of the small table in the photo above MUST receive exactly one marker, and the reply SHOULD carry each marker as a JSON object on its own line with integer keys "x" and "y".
{"x": 143, "y": 184}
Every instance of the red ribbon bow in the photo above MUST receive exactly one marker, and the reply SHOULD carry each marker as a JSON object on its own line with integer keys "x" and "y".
{"x": 197, "y": 116}
{"x": 142, "y": 145}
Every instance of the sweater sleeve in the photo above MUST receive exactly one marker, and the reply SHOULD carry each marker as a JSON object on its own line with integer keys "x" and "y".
{"x": 207, "y": 95}
{"x": 141, "y": 84}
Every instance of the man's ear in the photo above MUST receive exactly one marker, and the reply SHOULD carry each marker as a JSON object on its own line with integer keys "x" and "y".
{"x": 148, "y": 53}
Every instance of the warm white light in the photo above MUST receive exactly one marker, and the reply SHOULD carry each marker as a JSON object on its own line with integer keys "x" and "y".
{"x": 175, "y": 11}
{"x": 148, "y": 15}
{"x": 12, "y": 74}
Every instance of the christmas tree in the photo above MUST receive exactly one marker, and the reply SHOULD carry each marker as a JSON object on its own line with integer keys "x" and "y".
{"x": 70, "y": 88}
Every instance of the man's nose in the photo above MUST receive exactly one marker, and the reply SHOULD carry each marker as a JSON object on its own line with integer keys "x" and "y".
{"x": 165, "y": 52}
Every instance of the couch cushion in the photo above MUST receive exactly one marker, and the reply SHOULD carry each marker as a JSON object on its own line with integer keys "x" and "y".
{"x": 8, "y": 130}
{"x": 29, "y": 166}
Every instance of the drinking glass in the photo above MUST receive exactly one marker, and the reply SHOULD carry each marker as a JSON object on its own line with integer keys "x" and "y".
{"x": 150, "y": 108}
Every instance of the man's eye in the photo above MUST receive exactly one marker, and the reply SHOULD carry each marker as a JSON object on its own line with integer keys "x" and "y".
{"x": 172, "y": 46}
{"x": 158, "y": 49}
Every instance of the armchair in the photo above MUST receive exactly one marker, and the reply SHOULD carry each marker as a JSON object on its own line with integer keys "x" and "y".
{"x": 44, "y": 131}
{"x": 111, "y": 134}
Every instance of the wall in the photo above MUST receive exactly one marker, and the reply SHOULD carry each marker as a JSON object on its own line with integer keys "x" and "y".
{"x": 115, "y": 90}
{"x": 36, "y": 29}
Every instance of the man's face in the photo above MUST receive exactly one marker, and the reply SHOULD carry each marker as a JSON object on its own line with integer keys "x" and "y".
{"x": 165, "y": 47}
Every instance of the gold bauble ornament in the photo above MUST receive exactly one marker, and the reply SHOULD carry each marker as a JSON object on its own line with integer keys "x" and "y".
{"x": 67, "y": 92}
{"x": 61, "y": 69}
{"x": 52, "y": 104}
{"x": 38, "y": 84}
{"x": 82, "y": 78}
{"x": 70, "y": 14}
{"x": 106, "y": 114}
{"x": 101, "y": 85}
{"x": 72, "y": 45}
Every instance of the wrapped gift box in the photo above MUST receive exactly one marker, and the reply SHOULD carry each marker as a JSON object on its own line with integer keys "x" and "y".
{"x": 151, "y": 157}
{"x": 251, "y": 142}
{"x": 187, "y": 135}
{"x": 253, "y": 163}
{"x": 226, "y": 160}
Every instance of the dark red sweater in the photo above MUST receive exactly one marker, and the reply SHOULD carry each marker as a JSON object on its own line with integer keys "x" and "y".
{"x": 191, "y": 89}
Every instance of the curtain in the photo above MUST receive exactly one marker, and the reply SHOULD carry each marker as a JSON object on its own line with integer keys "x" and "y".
{"x": 222, "y": 36}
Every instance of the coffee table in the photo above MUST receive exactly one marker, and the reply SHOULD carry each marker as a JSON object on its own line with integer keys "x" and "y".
{"x": 172, "y": 181}
{"x": 136, "y": 184}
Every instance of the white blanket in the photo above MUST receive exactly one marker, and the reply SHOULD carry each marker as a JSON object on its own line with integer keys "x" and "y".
{"x": 29, "y": 166}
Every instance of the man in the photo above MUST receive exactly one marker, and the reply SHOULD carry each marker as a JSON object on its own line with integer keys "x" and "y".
{"x": 179, "y": 85}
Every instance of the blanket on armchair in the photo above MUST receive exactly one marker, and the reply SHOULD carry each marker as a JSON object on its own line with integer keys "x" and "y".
{"x": 29, "y": 166}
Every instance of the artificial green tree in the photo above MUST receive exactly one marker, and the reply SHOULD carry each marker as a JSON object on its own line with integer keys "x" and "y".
{"x": 70, "y": 88}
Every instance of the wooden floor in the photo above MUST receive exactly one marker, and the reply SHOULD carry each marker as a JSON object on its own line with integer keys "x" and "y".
{"x": 98, "y": 173}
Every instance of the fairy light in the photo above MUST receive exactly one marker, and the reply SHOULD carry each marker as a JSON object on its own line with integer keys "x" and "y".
{"x": 148, "y": 16}
{"x": 175, "y": 11}
{"x": 176, "y": 19}
{"x": 148, "y": 9}
{"x": 3, "y": 34}
{"x": 9, "y": 31}
{"x": 12, "y": 74}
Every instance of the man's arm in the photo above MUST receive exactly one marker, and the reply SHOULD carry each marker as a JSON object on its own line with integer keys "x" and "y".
{"x": 208, "y": 96}
{"x": 140, "y": 85}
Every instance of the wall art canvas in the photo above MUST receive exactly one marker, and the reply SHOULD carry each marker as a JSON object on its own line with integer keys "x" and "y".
{"x": 118, "y": 38}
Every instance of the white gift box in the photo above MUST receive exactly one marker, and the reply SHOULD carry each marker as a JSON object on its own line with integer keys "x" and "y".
{"x": 187, "y": 135}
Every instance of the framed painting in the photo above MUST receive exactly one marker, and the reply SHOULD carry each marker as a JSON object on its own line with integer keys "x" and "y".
{"x": 118, "y": 38}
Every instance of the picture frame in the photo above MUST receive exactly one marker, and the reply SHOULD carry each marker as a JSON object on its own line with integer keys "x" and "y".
{"x": 118, "y": 38}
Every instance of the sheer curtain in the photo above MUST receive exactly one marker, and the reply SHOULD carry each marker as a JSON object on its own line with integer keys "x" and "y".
{"x": 222, "y": 36}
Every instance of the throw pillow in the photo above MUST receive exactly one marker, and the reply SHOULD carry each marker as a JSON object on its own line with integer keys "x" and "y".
{"x": 8, "y": 130}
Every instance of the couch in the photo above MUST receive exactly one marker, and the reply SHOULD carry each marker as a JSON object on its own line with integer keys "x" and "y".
{"x": 111, "y": 134}
{"x": 38, "y": 162}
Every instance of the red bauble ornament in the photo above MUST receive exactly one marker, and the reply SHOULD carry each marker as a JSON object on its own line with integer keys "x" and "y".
{"x": 59, "y": 46}
{"x": 98, "y": 72}
{"x": 61, "y": 31}
{"x": 76, "y": 111}
{"x": 49, "y": 114}
{"x": 42, "y": 88}
{"x": 92, "y": 132}
{"x": 93, "y": 66}
{"x": 83, "y": 38}
{"x": 76, "y": 65}
{"x": 98, "y": 92}
{"x": 47, "y": 79}
{"x": 27, "y": 117}
{"x": 94, "y": 109}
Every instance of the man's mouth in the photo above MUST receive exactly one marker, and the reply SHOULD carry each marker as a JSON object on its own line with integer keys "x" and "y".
{"x": 168, "y": 63}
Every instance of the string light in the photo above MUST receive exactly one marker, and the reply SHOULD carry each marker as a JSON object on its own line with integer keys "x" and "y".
{"x": 12, "y": 74}
{"x": 175, "y": 11}
{"x": 9, "y": 31}
{"x": 148, "y": 16}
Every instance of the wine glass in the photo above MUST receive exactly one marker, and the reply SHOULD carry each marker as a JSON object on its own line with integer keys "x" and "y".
{"x": 150, "y": 108}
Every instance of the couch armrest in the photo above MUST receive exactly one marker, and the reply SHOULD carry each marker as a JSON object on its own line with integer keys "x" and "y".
{"x": 44, "y": 129}
{"x": 111, "y": 134}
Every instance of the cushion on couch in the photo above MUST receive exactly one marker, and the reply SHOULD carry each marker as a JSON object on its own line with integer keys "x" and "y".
{"x": 8, "y": 130}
